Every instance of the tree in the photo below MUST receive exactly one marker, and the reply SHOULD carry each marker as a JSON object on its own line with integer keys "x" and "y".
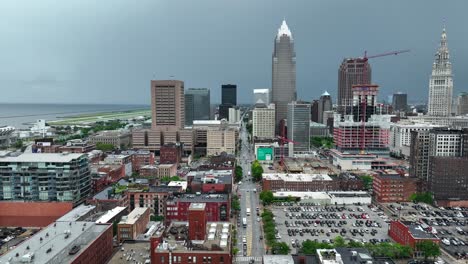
{"x": 322, "y": 142}
{"x": 18, "y": 144}
{"x": 235, "y": 204}
{"x": 429, "y": 249}
{"x": 281, "y": 248}
{"x": 257, "y": 170}
{"x": 238, "y": 173}
{"x": 367, "y": 180}
{"x": 169, "y": 179}
{"x": 104, "y": 146}
{"x": 310, "y": 246}
{"x": 424, "y": 197}
{"x": 339, "y": 242}
{"x": 266, "y": 196}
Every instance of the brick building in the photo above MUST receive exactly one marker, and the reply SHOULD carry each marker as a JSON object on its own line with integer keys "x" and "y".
{"x": 393, "y": 187}
{"x": 409, "y": 234}
{"x": 107, "y": 199}
{"x": 210, "y": 181}
{"x": 133, "y": 224}
{"x": 31, "y": 214}
{"x": 217, "y": 206}
{"x": 154, "y": 198}
{"x": 140, "y": 158}
{"x": 205, "y": 242}
{"x": 309, "y": 182}
{"x": 170, "y": 153}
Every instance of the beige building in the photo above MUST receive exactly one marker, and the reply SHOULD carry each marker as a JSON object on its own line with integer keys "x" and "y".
{"x": 167, "y": 170}
{"x": 118, "y": 138}
{"x": 263, "y": 122}
{"x": 221, "y": 141}
{"x": 167, "y": 104}
{"x": 153, "y": 139}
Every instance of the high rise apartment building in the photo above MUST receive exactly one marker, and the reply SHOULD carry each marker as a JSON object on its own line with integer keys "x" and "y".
{"x": 441, "y": 82}
{"x": 352, "y": 71}
{"x": 167, "y": 104}
{"x": 197, "y": 105}
{"x": 299, "y": 126}
{"x": 462, "y": 104}
{"x": 283, "y": 89}
{"x": 263, "y": 118}
{"x": 261, "y": 96}
{"x": 61, "y": 177}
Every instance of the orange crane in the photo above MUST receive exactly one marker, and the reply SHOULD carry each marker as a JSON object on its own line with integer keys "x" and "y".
{"x": 365, "y": 90}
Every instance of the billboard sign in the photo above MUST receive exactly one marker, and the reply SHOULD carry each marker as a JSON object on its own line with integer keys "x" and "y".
{"x": 265, "y": 154}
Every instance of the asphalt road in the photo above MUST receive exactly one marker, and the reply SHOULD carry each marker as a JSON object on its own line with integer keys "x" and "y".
{"x": 248, "y": 199}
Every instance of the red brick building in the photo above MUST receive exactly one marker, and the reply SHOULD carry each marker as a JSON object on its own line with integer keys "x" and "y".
{"x": 393, "y": 188}
{"x": 140, "y": 158}
{"x": 213, "y": 241}
{"x": 31, "y": 214}
{"x": 106, "y": 175}
{"x": 170, "y": 153}
{"x": 309, "y": 182}
{"x": 154, "y": 198}
{"x": 133, "y": 224}
{"x": 409, "y": 234}
{"x": 217, "y": 207}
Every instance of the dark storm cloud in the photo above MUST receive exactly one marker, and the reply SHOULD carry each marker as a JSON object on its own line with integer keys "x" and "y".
{"x": 108, "y": 50}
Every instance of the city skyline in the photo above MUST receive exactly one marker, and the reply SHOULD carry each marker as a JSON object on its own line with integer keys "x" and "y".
{"x": 85, "y": 62}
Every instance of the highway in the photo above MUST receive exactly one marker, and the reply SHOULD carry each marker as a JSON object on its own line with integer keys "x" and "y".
{"x": 249, "y": 199}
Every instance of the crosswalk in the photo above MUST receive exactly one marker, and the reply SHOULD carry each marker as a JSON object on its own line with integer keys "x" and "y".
{"x": 248, "y": 259}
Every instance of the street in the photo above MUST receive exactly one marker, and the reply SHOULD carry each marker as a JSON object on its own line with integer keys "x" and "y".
{"x": 248, "y": 199}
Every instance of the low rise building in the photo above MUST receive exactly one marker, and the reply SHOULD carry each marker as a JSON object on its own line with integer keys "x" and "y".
{"x": 31, "y": 214}
{"x": 153, "y": 197}
{"x": 308, "y": 182}
{"x": 409, "y": 234}
{"x": 360, "y": 161}
{"x": 140, "y": 158}
{"x": 65, "y": 242}
{"x": 167, "y": 170}
{"x": 195, "y": 241}
{"x": 77, "y": 146}
{"x": 118, "y": 138}
{"x": 393, "y": 187}
{"x": 133, "y": 224}
{"x": 108, "y": 199}
{"x": 120, "y": 159}
{"x": 210, "y": 181}
{"x": 114, "y": 214}
{"x": 217, "y": 206}
{"x": 170, "y": 154}
{"x": 327, "y": 198}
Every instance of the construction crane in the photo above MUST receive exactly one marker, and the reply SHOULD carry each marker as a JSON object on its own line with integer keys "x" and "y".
{"x": 284, "y": 140}
{"x": 365, "y": 90}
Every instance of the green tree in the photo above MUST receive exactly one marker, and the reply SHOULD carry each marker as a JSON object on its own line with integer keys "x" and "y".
{"x": 367, "y": 181}
{"x": 169, "y": 179}
{"x": 429, "y": 249}
{"x": 257, "y": 170}
{"x": 235, "y": 204}
{"x": 339, "y": 242}
{"x": 267, "y": 197}
{"x": 423, "y": 197}
{"x": 310, "y": 246}
{"x": 104, "y": 146}
{"x": 18, "y": 144}
{"x": 235, "y": 251}
{"x": 281, "y": 248}
{"x": 238, "y": 173}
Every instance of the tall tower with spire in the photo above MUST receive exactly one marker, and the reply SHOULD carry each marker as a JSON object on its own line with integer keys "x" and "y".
{"x": 441, "y": 82}
{"x": 283, "y": 88}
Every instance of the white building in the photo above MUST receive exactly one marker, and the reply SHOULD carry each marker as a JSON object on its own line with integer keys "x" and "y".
{"x": 234, "y": 115}
{"x": 448, "y": 121}
{"x": 400, "y": 136}
{"x": 261, "y": 96}
{"x": 441, "y": 82}
{"x": 264, "y": 122}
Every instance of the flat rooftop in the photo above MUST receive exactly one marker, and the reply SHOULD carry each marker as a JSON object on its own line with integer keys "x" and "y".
{"x": 77, "y": 213}
{"x": 296, "y": 177}
{"x": 349, "y": 194}
{"x": 60, "y": 237}
{"x": 217, "y": 238}
{"x": 202, "y": 198}
{"x": 42, "y": 157}
{"x": 133, "y": 216}
{"x": 278, "y": 259}
{"x": 417, "y": 231}
{"x": 110, "y": 214}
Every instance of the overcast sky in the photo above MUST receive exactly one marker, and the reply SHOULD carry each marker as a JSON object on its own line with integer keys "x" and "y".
{"x": 107, "y": 51}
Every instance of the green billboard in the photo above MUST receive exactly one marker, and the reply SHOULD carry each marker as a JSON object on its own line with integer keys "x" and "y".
{"x": 265, "y": 154}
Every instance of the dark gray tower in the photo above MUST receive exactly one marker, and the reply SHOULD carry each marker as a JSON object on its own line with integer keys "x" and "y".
{"x": 197, "y": 105}
{"x": 325, "y": 104}
{"x": 283, "y": 73}
{"x": 400, "y": 102}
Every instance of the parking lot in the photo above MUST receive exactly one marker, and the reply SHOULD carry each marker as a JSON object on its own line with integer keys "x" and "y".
{"x": 449, "y": 224}
{"x": 301, "y": 221}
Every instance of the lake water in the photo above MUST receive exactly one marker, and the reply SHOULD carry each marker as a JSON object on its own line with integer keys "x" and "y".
{"x": 20, "y": 115}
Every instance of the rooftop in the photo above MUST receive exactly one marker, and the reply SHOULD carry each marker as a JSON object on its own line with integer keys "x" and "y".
{"x": 110, "y": 214}
{"x": 296, "y": 177}
{"x": 417, "y": 231}
{"x": 203, "y": 198}
{"x": 197, "y": 206}
{"x": 55, "y": 242}
{"x": 77, "y": 213}
{"x": 131, "y": 218}
{"x": 278, "y": 259}
{"x": 42, "y": 157}
{"x": 175, "y": 238}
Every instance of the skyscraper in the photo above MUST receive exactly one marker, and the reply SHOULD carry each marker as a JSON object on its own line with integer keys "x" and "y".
{"x": 167, "y": 104}
{"x": 441, "y": 82}
{"x": 400, "y": 102}
{"x": 299, "y": 126}
{"x": 197, "y": 105}
{"x": 325, "y": 104}
{"x": 261, "y": 96}
{"x": 462, "y": 104}
{"x": 283, "y": 72}
{"x": 351, "y": 72}
{"x": 228, "y": 99}
{"x": 229, "y": 94}
{"x": 263, "y": 118}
